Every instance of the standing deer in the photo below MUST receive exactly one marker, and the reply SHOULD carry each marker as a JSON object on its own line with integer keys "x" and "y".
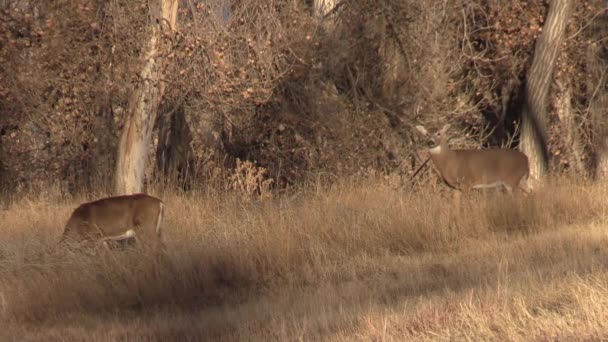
{"x": 117, "y": 219}
{"x": 476, "y": 169}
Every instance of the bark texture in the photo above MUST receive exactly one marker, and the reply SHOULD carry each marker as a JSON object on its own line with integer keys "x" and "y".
{"x": 574, "y": 146}
{"x": 143, "y": 104}
{"x": 324, "y": 7}
{"x": 597, "y": 90}
{"x": 174, "y": 157}
{"x": 534, "y": 116}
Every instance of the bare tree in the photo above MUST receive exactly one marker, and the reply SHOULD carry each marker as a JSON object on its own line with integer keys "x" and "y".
{"x": 534, "y": 115}
{"x": 144, "y": 102}
{"x": 174, "y": 151}
{"x": 2, "y": 171}
{"x": 574, "y": 147}
{"x": 597, "y": 88}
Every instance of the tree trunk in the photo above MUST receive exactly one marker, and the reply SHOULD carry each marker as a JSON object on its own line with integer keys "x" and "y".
{"x": 597, "y": 90}
{"x": 208, "y": 131}
{"x": 393, "y": 61}
{"x": 174, "y": 152}
{"x": 534, "y": 115}
{"x": 2, "y": 177}
{"x": 574, "y": 147}
{"x": 143, "y": 103}
{"x": 324, "y": 7}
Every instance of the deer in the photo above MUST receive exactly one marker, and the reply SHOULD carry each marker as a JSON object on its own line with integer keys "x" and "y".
{"x": 116, "y": 220}
{"x": 477, "y": 169}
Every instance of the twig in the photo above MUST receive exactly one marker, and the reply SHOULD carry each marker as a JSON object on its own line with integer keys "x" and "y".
{"x": 589, "y": 23}
{"x": 412, "y": 178}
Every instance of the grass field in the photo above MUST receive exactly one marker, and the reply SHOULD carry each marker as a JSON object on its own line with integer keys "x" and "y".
{"x": 358, "y": 261}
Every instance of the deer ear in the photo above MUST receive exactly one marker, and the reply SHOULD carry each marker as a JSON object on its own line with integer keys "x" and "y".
{"x": 445, "y": 128}
{"x": 422, "y": 130}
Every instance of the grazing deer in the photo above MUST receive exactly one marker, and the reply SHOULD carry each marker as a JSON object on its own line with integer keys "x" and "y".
{"x": 116, "y": 220}
{"x": 476, "y": 169}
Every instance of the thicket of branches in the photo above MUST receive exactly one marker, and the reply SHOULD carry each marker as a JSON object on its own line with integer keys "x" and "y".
{"x": 274, "y": 83}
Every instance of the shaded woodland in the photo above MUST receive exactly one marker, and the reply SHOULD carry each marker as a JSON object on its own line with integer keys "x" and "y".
{"x": 258, "y": 95}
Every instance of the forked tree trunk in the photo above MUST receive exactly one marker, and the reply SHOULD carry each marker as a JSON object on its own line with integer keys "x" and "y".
{"x": 143, "y": 104}
{"x": 534, "y": 115}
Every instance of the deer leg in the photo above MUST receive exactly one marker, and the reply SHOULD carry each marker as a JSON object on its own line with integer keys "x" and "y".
{"x": 151, "y": 242}
{"x": 458, "y": 194}
{"x": 127, "y": 238}
{"x": 456, "y": 197}
{"x": 126, "y": 235}
{"x": 523, "y": 187}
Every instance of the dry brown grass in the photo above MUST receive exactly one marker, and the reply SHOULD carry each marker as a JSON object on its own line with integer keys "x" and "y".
{"x": 357, "y": 261}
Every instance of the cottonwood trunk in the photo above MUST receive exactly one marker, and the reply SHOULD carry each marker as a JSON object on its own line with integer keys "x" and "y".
{"x": 597, "y": 89}
{"x": 393, "y": 63}
{"x": 573, "y": 145}
{"x": 2, "y": 172}
{"x": 534, "y": 116}
{"x": 324, "y": 7}
{"x": 143, "y": 103}
{"x": 174, "y": 151}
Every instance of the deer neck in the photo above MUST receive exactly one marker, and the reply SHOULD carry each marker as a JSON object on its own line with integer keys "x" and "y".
{"x": 441, "y": 154}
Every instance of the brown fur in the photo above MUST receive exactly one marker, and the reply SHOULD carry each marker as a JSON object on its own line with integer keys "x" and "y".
{"x": 109, "y": 217}
{"x": 468, "y": 169}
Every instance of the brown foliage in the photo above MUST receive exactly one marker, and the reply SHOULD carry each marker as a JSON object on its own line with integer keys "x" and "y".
{"x": 61, "y": 75}
{"x": 270, "y": 82}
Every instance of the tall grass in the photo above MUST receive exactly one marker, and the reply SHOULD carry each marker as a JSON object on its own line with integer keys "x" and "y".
{"x": 354, "y": 261}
